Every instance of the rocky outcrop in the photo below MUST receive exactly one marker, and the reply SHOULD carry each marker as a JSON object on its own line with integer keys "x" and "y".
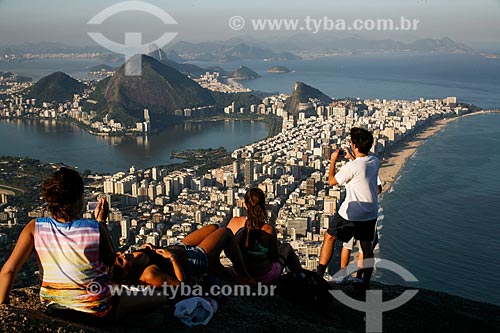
{"x": 428, "y": 311}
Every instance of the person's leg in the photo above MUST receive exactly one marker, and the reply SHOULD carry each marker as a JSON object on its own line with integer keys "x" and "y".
{"x": 223, "y": 239}
{"x": 197, "y": 236}
{"x": 359, "y": 273}
{"x": 345, "y": 255}
{"x": 291, "y": 260}
{"x": 326, "y": 253}
{"x": 367, "y": 254}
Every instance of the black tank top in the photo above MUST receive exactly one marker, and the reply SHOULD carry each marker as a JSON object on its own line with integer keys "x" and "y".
{"x": 164, "y": 264}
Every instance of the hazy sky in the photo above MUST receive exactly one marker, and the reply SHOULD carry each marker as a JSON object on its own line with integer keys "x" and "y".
{"x": 472, "y": 22}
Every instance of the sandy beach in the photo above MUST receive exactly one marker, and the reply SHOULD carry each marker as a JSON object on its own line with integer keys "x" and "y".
{"x": 390, "y": 168}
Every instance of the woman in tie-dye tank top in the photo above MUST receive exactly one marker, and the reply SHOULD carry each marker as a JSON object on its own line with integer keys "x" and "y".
{"x": 73, "y": 253}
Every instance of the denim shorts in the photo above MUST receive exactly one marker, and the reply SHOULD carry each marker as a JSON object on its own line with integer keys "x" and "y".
{"x": 197, "y": 259}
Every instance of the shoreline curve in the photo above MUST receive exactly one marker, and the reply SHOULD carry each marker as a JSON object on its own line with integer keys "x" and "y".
{"x": 391, "y": 167}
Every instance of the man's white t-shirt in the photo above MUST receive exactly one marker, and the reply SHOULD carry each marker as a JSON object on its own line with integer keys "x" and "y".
{"x": 360, "y": 179}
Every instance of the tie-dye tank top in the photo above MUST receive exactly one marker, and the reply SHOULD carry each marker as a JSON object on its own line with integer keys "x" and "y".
{"x": 73, "y": 276}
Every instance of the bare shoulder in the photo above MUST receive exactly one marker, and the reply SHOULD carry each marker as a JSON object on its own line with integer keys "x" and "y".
{"x": 236, "y": 223}
{"x": 239, "y": 219}
{"x": 268, "y": 228}
{"x": 30, "y": 227}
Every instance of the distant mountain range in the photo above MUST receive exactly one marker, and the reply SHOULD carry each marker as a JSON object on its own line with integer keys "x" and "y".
{"x": 284, "y": 47}
{"x": 327, "y": 43}
{"x": 172, "y": 59}
{"x": 57, "y": 87}
{"x": 221, "y": 52}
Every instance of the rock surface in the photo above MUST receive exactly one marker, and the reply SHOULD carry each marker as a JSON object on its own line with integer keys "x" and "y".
{"x": 428, "y": 311}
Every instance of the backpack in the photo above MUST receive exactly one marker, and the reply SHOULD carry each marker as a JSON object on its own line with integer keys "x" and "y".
{"x": 305, "y": 287}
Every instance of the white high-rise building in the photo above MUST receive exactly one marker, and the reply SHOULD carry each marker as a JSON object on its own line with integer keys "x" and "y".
{"x": 230, "y": 197}
{"x": 151, "y": 192}
{"x": 155, "y": 173}
{"x": 109, "y": 186}
{"x": 125, "y": 228}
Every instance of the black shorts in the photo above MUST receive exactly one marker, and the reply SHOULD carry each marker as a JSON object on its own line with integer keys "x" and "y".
{"x": 344, "y": 230}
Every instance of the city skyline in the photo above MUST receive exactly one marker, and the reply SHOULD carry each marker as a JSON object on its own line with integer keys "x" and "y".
{"x": 57, "y": 21}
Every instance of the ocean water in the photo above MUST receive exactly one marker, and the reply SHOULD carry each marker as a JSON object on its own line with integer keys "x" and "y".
{"x": 442, "y": 218}
{"x": 471, "y": 78}
{"x": 36, "y": 69}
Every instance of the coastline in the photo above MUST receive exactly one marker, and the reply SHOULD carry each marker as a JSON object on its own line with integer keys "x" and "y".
{"x": 392, "y": 166}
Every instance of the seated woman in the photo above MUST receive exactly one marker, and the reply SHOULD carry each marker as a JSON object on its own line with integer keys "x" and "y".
{"x": 191, "y": 257}
{"x": 258, "y": 241}
{"x": 73, "y": 254}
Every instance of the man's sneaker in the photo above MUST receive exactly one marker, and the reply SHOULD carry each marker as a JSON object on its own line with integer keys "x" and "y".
{"x": 354, "y": 280}
{"x": 339, "y": 279}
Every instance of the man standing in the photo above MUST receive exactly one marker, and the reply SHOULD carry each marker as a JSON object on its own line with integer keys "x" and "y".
{"x": 358, "y": 213}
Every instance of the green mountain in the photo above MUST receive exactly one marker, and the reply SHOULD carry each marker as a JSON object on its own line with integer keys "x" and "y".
{"x": 57, "y": 87}
{"x": 302, "y": 95}
{"x": 244, "y": 73}
{"x": 160, "y": 88}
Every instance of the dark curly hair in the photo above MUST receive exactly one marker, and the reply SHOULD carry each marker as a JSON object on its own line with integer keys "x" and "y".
{"x": 61, "y": 191}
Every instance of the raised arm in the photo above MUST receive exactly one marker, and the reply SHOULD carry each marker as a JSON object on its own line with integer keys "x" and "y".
{"x": 331, "y": 173}
{"x": 107, "y": 252}
{"x": 21, "y": 253}
{"x": 101, "y": 211}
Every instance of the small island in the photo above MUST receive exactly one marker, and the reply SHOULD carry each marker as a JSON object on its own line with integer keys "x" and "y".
{"x": 244, "y": 73}
{"x": 101, "y": 68}
{"x": 278, "y": 70}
